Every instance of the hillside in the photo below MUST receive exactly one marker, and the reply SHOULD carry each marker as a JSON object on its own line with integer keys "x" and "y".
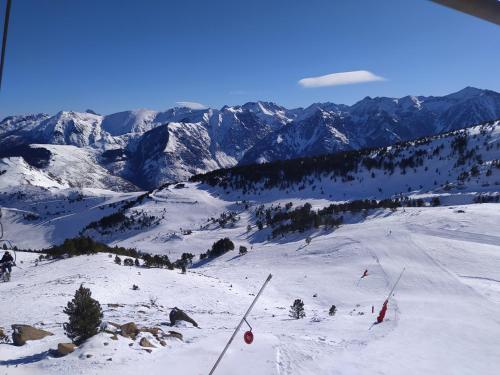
{"x": 456, "y": 168}
{"x": 456, "y": 162}
{"x": 445, "y": 310}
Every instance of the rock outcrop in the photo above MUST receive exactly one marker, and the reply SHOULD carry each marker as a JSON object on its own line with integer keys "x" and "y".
{"x": 24, "y": 332}
{"x": 145, "y": 343}
{"x": 64, "y": 348}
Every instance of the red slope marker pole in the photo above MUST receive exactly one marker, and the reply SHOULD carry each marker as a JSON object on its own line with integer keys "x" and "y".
{"x": 241, "y": 322}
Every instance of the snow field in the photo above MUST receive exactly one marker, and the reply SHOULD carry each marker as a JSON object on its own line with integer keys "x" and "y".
{"x": 444, "y": 318}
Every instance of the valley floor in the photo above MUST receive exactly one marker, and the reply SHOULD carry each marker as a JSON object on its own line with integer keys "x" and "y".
{"x": 444, "y": 317}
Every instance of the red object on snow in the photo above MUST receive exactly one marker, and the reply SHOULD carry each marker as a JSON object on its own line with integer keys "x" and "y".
{"x": 365, "y": 274}
{"x": 381, "y": 315}
{"x": 248, "y": 337}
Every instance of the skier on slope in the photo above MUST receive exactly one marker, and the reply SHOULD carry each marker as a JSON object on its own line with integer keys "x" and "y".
{"x": 6, "y": 262}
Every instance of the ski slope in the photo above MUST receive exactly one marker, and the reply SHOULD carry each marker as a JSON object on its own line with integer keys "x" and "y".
{"x": 444, "y": 317}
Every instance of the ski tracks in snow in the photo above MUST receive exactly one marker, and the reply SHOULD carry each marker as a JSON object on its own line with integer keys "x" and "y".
{"x": 456, "y": 235}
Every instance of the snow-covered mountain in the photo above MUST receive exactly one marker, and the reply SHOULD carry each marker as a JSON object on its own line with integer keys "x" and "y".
{"x": 149, "y": 147}
{"x": 372, "y": 122}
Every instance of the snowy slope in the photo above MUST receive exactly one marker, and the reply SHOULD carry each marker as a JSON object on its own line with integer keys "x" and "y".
{"x": 16, "y": 172}
{"x": 434, "y": 165}
{"x": 65, "y": 167}
{"x": 425, "y": 169}
{"x": 79, "y": 167}
{"x": 443, "y": 318}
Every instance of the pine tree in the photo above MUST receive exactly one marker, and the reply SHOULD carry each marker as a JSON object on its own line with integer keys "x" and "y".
{"x": 118, "y": 260}
{"x": 297, "y": 309}
{"x": 435, "y": 202}
{"x": 128, "y": 262}
{"x": 84, "y": 314}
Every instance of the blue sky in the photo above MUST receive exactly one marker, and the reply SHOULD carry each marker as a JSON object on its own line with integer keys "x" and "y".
{"x": 112, "y": 55}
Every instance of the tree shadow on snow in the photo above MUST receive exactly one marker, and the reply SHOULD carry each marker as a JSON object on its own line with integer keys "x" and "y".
{"x": 235, "y": 257}
{"x": 26, "y": 360}
{"x": 202, "y": 262}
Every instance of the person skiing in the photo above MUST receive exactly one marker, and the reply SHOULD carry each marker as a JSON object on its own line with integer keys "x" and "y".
{"x": 365, "y": 274}
{"x": 6, "y": 262}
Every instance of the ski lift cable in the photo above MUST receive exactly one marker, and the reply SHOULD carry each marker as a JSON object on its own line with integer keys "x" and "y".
{"x": 4, "y": 38}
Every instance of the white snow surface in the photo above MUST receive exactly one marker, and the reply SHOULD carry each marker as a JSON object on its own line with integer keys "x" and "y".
{"x": 444, "y": 317}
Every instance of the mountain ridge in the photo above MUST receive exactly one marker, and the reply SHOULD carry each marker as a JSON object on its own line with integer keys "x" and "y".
{"x": 200, "y": 140}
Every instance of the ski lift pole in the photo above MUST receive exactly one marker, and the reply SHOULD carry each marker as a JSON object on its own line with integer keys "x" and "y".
{"x": 4, "y": 37}
{"x": 1, "y": 226}
{"x": 240, "y": 324}
{"x": 395, "y": 284}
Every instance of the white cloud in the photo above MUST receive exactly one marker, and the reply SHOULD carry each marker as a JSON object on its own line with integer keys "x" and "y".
{"x": 343, "y": 78}
{"x": 192, "y": 105}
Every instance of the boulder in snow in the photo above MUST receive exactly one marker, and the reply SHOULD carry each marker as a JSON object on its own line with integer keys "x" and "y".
{"x": 145, "y": 343}
{"x": 175, "y": 335}
{"x": 64, "y": 348}
{"x": 24, "y": 332}
{"x": 129, "y": 330}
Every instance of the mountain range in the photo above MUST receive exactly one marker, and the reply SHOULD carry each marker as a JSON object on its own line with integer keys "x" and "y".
{"x": 146, "y": 148}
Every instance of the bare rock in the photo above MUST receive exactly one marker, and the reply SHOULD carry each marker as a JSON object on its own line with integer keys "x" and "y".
{"x": 129, "y": 330}
{"x": 115, "y": 305}
{"x": 155, "y": 331}
{"x": 175, "y": 335}
{"x": 64, "y": 348}
{"x": 3, "y": 336}
{"x": 177, "y": 314}
{"x": 145, "y": 343}
{"x": 24, "y": 332}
